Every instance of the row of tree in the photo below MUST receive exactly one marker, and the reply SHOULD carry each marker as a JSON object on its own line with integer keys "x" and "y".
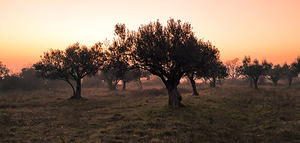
{"x": 168, "y": 52}
{"x": 255, "y": 71}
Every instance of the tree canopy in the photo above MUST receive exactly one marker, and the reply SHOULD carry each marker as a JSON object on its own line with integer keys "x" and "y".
{"x": 72, "y": 64}
{"x": 290, "y": 72}
{"x": 275, "y": 73}
{"x": 169, "y": 52}
{"x": 3, "y": 70}
{"x": 254, "y": 70}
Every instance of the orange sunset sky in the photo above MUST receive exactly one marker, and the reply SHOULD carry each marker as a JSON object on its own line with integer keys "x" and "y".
{"x": 262, "y": 29}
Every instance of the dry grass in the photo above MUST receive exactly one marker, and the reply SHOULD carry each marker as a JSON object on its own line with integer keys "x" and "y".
{"x": 223, "y": 114}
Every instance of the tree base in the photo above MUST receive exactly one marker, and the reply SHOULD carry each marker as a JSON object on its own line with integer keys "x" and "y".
{"x": 178, "y": 106}
{"x": 77, "y": 97}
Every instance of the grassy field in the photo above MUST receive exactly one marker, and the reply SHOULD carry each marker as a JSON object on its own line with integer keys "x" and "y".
{"x": 223, "y": 114}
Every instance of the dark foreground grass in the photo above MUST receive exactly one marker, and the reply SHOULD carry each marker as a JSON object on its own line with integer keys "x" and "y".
{"x": 225, "y": 114}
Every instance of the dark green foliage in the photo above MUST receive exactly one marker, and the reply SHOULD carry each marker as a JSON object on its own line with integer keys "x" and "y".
{"x": 74, "y": 63}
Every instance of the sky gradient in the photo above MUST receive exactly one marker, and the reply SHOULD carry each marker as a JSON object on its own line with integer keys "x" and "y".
{"x": 268, "y": 29}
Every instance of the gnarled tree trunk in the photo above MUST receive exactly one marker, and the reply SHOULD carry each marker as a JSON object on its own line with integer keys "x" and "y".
{"x": 77, "y": 94}
{"x": 124, "y": 84}
{"x": 213, "y": 82}
{"x": 140, "y": 84}
{"x": 195, "y": 93}
{"x": 290, "y": 81}
{"x": 275, "y": 82}
{"x": 174, "y": 97}
{"x": 255, "y": 81}
{"x": 112, "y": 85}
{"x": 250, "y": 82}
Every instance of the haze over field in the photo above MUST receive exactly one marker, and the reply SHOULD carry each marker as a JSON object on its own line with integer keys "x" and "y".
{"x": 261, "y": 29}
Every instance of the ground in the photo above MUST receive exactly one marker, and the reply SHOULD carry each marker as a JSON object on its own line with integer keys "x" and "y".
{"x": 222, "y": 114}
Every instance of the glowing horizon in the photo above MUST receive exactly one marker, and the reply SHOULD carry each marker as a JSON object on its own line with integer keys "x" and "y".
{"x": 260, "y": 29}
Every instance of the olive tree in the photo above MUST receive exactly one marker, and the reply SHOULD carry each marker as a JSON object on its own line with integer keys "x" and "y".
{"x": 118, "y": 57}
{"x": 254, "y": 70}
{"x": 232, "y": 68}
{"x": 71, "y": 64}
{"x": 168, "y": 52}
{"x": 217, "y": 71}
{"x": 3, "y": 71}
{"x": 206, "y": 69}
{"x": 290, "y": 72}
{"x": 275, "y": 73}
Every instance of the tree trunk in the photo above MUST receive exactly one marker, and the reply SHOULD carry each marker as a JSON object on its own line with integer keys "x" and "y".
{"x": 213, "y": 82}
{"x": 174, "y": 96}
{"x": 195, "y": 93}
{"x": 255, "y": 83}
{"x": 73, "y": 89}
{"x": 77, "y": 94}
{"x": 220, "y": 81}
{"x": 139, "y": 82}
{"x": 275, "y": 83}
{"x": 251, "y": 82}
{"x": 124, "y": 84}
{"x": 111, "y": 85}
{"x": 290, "y": 81}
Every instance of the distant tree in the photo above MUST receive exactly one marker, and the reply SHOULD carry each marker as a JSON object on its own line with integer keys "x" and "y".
{"x": 109, "y": 77}
{"x": 30, "y": 79}
{"x": 3, "y": 71}
{"x": 254, "y": 70}
{"x": 145, "y": 74}
{"x": 290, "y": 72}
{"x": 232, "y": 68}
{"x": 74, "y": 63}
{"x": 168, "y": 52}
{"x": 217, "y": 71}
{"x": 204, "y": 69}
{"x": 118, "y": 57}
{"x": 133, "y": 75}
{"x": 297, "y": 64}
{"x": 10, "y": 82}
{"x": 274, "y": 74}
{"x": 192, "y": 77}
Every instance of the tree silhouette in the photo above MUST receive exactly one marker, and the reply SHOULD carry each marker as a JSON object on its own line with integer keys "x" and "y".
{"x": 133, "y": 75}
{"x": 254, "y": 70}
{"x": 205, "y": 69}
{"x": 3, "y": 71}
{"x": 74, "y": 63}
{"x": 168, "y": 52}
{"x": 297, "y": 64}
{"x": 217, "y": 71}
{"x": 232, "y": 68}
{"x": 274, "y": 74}
{"x": 109, "y": 77}
{"x": 290, "y": 72}
{"x": 118, "y": 57}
